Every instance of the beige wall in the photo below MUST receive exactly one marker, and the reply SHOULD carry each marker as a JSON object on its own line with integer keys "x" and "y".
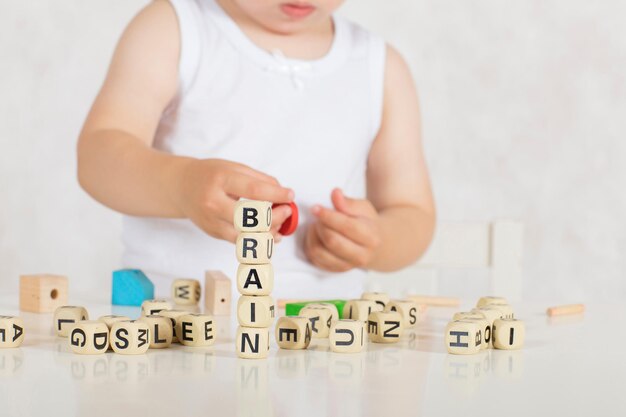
{"x": 524, "y": 106}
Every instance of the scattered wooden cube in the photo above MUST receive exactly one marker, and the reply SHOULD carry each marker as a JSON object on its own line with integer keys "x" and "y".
{"x": 505, "y": 309}
{"x": 65, "y": 317}
{"x": 255, "y": 311}
{"x": 186, "y": 291}
{"x": 347, "y": 336}
{"x": 491, "y": 314}
{"x": 252, "y": 342}
{"x": 217, "y": 293}
{"x": 321, "y": 317}
{"x": 255, "y": 279}
{"x": 197, "y": 330}
{"x": 508, "y": 334}
{"x": 360, "y": 309}
{"x": 485, "y": 329}
{"x": 131, "y": 287}
{"x": 174, "y": 316}
{"x": 89, "y": 338}
{"x": 384, "y": 327}
{"x": 112, "y": 319}
{"x": 253, "y": 216}
{"x": 151, "y": 307}
{"x": 161, "y": 330}
{"x": 334, "y": 313}
{"x": 468, "y": 315}
{"x": 379, "y": 297}
{"x": 42, "y": 293}
{"x": 130, "y": 337}
{"x": 407, "y": 309}
{"x": 11, "y": 331}
{"x": 486, "y": 301}
{"x": 293, "y": 332}
{"x": 463, "y": 337}
{"x": 254, "y": 248}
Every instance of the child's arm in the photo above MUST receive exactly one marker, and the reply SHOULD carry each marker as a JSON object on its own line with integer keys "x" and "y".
{"x": 118, "y": 166}
{"x": 394, "y": 226}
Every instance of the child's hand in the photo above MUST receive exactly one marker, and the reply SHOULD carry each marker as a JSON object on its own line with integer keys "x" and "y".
{"x": 344, "y": 238}
{"x": 209, "y": 188}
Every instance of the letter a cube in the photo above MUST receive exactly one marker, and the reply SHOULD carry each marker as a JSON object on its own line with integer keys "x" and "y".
{"x": 11, "y": 332}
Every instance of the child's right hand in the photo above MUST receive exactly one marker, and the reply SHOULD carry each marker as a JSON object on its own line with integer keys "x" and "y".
{"x": 209, "y": 188}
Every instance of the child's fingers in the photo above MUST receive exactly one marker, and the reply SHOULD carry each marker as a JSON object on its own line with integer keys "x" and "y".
{"x": 246, "y": 170}
{"x": 320, "y": 256}
{"x": 218, "y": 228}
{"x": 279, "y": 215}
{"x": 342, "y": 247}
{"x": 245, "y": 186}
{"x": 355, "y": 229}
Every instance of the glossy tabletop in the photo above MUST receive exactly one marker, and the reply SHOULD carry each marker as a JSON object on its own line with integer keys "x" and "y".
{"x": 569, "y": 366}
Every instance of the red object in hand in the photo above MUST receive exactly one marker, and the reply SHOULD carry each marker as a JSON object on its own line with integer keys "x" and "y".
{"x": 290, "y": 225}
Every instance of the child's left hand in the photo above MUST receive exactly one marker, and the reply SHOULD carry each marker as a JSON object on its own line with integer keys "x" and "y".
{"x": 344, "y": 238}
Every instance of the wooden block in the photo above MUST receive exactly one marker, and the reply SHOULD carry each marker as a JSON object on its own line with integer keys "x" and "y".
{"x": 42, "y": 293}
{"x": 130, "y": 337}
{"x": 384, "y": 327}
{"x": 255, "y": 311}
{"x": 505, "y": 309}
{"x": 110, "y": 320}
{"x": 197, "y": 330}
{"x": 485, "y": 328}
{"x": 11, "y": 331}
{"x": 253, "y": 216}
{"x": 161, "y": 330}
{"x": 565, "y": 310}
{"x": 255, "y": 279}
{"x": 255, "y": 248}
{"x": 321, "y": 317}
{"x": 347, "y": 336}
{"x": 174, "y": 316}
{"x": 152, "y": 307}
{"x": 508, "y": 334}
{"x": 186, "y": 291}
{"x": 435, "y": 301}
{"x": 131, "y": 287}
{"x": 407, "y": 309}
{"x": 461, "y": 315}
{"x": 252, "y": 342}
{"x": 486, "y": 301}
{"x": 334, "y": 314}
{"x": 379, "y": 297}
{"x": 463, "y": 337}
{"x": 89, "y": 338}
{"x": 66, "y": 316}
{"x": 360, "y": 309}
{"x": 491, "y": 314}
{"x": 293, "y": 332}
{"x": 217, "y": 293}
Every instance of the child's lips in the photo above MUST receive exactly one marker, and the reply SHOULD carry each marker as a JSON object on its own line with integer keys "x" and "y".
{"x": 297, "y": 10}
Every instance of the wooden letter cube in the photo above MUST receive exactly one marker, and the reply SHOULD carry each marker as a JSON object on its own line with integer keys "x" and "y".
{"x": 321, "y": 317}
{"x": 407, "y": 309}
{"x": 255, "y": 311}
{"x": 461, "y": 315}
{"x": 360, "y": 309}
{"x": 186, "y": 291}
{"x": 217, "y": 293}
{"x": 255, "y": 248}
{"x": 491, "y": 314}
{"x": 42, "y": 293}
{"x": 485, "y": 330}
{"x": 505, "y": 310}
{"x": 174, "y": 316}
{"x": 252, "y": 342}
{"x": 112, "y": 319}
{"x": 253, "y": 216}
{"x": 486, "y": 301}
{"x": 151, "y": 307}
{"x": 379, "y": 297}
{"x": 293, "y": 332}
{"x": 11, "y": 331}
{"x": 161, "y": 331}
{"x": 508, "y": 334}
{"x": 385, "y": 327}
{"x": 255, "y": 279}
{"x": 66, "y": 316}
{"x": 347, "y": 336}
{"x": 130, "y": 337}
{"x": 89, "y": 338}
{"x": 197, "y": 330}
{"x": 463, "y": 337}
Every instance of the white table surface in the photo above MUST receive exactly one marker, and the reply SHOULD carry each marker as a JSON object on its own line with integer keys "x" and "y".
{"x": 572, "y": 366}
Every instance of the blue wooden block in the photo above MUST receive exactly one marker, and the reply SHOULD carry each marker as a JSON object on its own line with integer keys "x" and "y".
{"x": 131, "y": 287}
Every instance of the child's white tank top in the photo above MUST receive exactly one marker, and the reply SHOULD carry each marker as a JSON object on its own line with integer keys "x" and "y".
{"x": 310, "y": 124}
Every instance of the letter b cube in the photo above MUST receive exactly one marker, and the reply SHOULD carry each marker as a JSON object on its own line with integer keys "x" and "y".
{"x": 253, "y": 216}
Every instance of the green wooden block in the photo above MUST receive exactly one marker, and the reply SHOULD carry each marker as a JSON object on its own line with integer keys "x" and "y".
{"x": 293, "y": 309}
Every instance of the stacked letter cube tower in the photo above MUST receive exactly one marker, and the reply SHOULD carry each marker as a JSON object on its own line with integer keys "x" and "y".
{"x": 255, "y": 278}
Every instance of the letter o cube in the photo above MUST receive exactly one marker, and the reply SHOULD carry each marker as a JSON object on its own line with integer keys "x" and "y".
{"x": 161, "y": 331}
{"x": 66, "y": 316}
{"x": 255, "y": 279}
{"x": 254, "y": 248}
{"x": 293, "y": 332}
{"x": 11, "y": 331}
{"x": 186, "y": 291}
{"x": 89, "y": 338}
{"x": 508, "y": 334}
{"x": 384, "y": 327}
{"x": 196, "y": 330}
{"x": 347, "y": 336}
{"x": 253, "y": 216}
{"x": 252, "y": 342}
{"x": 130, "y": 337}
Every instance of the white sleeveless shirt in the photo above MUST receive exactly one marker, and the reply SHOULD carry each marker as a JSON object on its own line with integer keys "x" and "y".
{"x": 310, "y": 124}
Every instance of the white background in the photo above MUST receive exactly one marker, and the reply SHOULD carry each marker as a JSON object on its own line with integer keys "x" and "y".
{"x": 524, "y": 114}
